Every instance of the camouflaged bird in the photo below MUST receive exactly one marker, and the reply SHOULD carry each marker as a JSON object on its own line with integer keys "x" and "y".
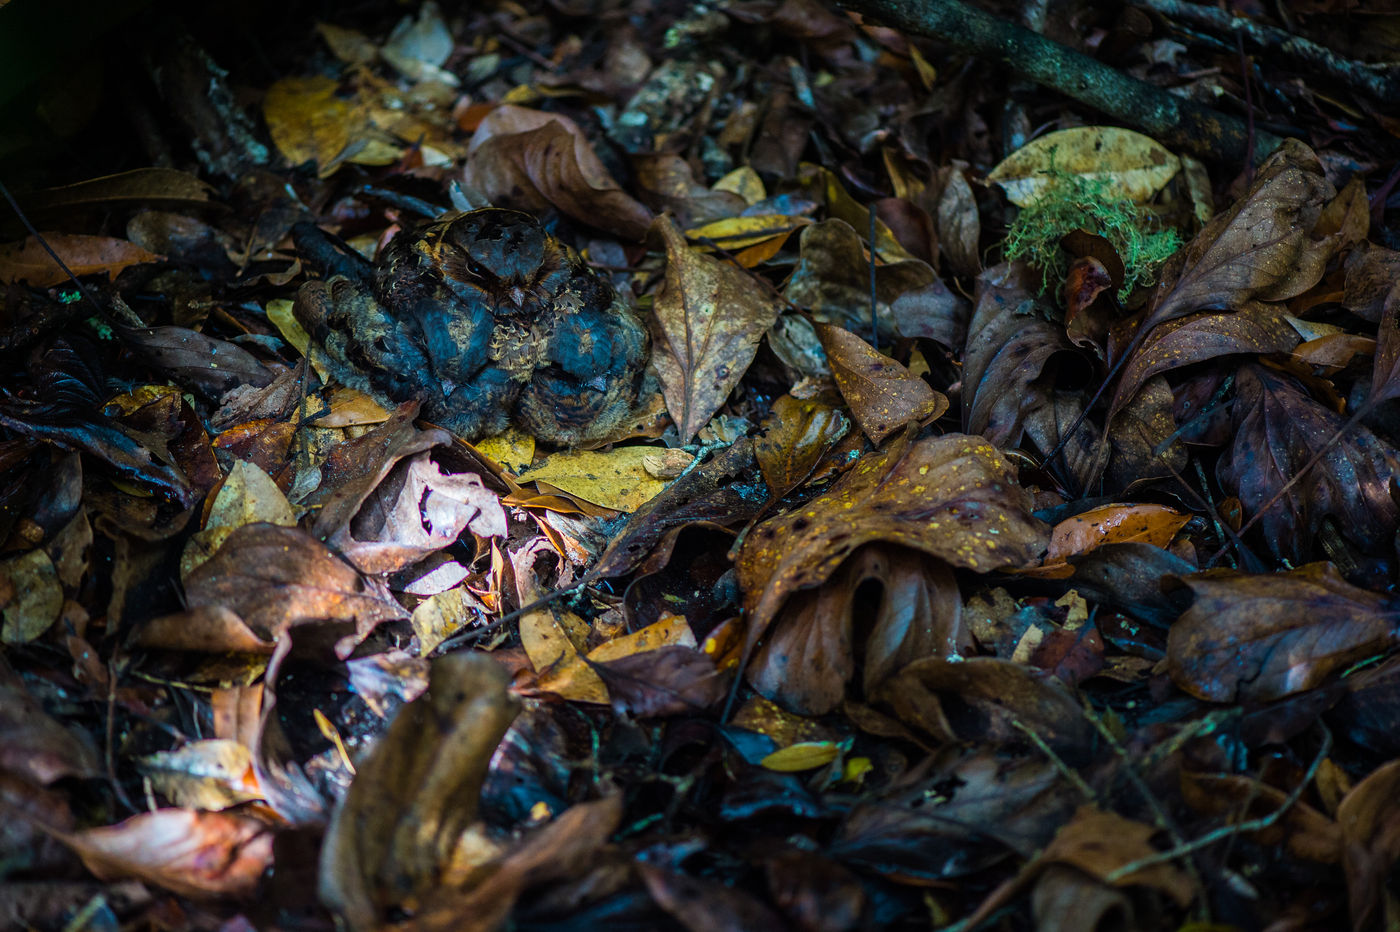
{"x": 484, "y": 318}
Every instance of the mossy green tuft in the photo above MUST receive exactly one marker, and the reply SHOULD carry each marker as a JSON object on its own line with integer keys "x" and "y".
{"x": 1073, "y": 202}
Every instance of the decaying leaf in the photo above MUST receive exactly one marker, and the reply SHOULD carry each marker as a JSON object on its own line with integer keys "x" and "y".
{"x": 1277, "y": 430}
{"x": 1134, "y": 166}
{"x": 617, "y": 479}
{"x": 797, "y": 434}
{"x": 196, "y": 854}
{"x": 1262, "y": 637}
{"x": 953, "y": 497}
{"x": 1107, "y": 524}
{"x": 1259, "y": 249}
{"x": 707, "y": 322}
{"x": 883, "y": 395}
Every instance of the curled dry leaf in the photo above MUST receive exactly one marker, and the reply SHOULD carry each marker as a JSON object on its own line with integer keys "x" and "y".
{"x": 534, "y": 160}
{"x": 277, "y": 577}
{"x": 418, "y": 510}
{"x": 1260, "y": 249}
{"x": 810, "y": 653}
{"x": 194, "y": 854}
{"x": 706, "y": 324}
{"x": 395, "y": 832}
{"x": 954, "y": 497}
{"x": 27, "y": 261}
{"x": 33, "y": 745}
{"x": 884, "y": 396}
{"x": 1263, "y": 637}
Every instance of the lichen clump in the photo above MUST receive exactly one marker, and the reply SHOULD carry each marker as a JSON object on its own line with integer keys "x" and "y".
{"x": 1073, "y": 202}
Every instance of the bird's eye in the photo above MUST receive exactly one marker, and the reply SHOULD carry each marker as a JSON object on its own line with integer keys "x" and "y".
{"x": 476, "y": 268}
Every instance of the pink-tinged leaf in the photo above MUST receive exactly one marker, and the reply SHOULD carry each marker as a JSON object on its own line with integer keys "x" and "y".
{"x": 195, "y": 854}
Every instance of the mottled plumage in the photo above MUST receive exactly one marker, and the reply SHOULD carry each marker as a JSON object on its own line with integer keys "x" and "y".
{"x": 487, "y": 320}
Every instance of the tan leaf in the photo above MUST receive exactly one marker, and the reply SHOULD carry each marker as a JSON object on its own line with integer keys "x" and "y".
{"x": 707, "y": 320}
{"x": 884, "y": 396}
{"x": 616, "y": 479}
{"x": 796, "y": 435}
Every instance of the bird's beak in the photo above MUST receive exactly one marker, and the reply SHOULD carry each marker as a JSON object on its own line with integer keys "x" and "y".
{"x": 517, "y": 296}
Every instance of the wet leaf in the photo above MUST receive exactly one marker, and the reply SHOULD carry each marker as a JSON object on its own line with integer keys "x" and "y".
{"x": 796, "y": 435}
{"x": 1259, "y": 249}
{"x": 883, "y": 395}
{"x": 1255, "y": 328}
{"x": 394, "y": 834}
{"x": 1134, "y": 166}
{"x": 1107, "y": 524}
{"x": 535, "y": 160}
{"x": 1277, "y": 429}
{"x": 707, "y": 321}
{"x": 953, "y": 497}
{"x": 194, "y": 854}
{"x": 29, "y": 262}
{"x": 1263, "y": 637}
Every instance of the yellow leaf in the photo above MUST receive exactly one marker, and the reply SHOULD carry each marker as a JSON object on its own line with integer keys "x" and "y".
{"x": 617, "y": 479}
{"x": 308, "y": 122}
{"x": 806, "y": 755}
{"x": 569, "y": 675}
{"x": 514, "y": 449}
{"x": 1135, "y": 166}
{"x": 743, "y": 181}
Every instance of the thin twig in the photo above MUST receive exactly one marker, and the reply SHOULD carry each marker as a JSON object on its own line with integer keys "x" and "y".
{"x": 1065, "y": 770}
{"x": 1253, "y": 825}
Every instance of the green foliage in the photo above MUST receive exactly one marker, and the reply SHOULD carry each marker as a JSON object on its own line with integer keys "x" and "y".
{"x": 1073, "y": 202}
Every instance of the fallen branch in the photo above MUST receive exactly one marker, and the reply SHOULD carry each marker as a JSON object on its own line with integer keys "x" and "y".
{"x": 1380, "y": 81}
{"x": 1175, "y": 121}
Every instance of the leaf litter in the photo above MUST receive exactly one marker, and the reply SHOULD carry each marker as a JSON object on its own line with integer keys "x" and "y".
{"x": 912, "y": 590}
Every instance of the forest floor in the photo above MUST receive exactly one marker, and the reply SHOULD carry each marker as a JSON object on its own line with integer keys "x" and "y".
{"x": 862, "y": 488}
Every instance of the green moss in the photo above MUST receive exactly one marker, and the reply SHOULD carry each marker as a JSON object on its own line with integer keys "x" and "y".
{"x": 1073, "y": 202}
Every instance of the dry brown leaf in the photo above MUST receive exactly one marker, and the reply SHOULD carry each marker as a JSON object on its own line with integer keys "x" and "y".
{"x": 707, "y": 320}
{"x": 1100, "y": 843}
{"x": 1107, "y": 524}
{"x": 534, "y": 160}
{"x": 27, "y": 261}
{"x": 883, "y": 395}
